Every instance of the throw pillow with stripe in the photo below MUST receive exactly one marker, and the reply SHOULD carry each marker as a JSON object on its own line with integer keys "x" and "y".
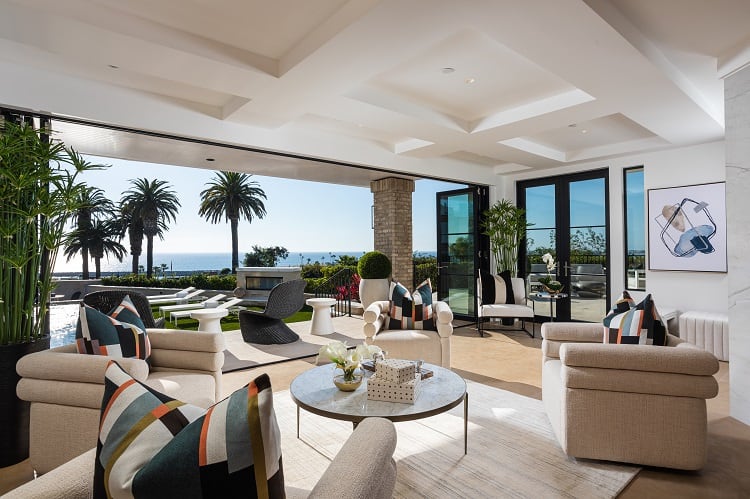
{"x": 496, "y": 289}
{"x": 101, "y": 334}
{"x": 233, "y": 449}
{"x": 411, "y": 310}
{"x": 635, "y": 325}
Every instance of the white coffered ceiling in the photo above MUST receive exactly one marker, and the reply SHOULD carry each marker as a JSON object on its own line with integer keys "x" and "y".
{"x": 456, "y": 89}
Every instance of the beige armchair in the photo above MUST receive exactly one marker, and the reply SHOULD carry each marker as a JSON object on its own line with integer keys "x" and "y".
{"x": 363, "y": 469}
{"x": 65, "y": 388}
{"x": 638, "y": 404}
{"x": 431, "y": 346}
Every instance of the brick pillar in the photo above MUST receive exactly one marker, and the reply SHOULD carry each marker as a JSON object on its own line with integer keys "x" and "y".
{"x": 393, "y": 224}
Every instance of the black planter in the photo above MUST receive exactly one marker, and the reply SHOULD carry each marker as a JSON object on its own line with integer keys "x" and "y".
{"x": 14, "y": 413}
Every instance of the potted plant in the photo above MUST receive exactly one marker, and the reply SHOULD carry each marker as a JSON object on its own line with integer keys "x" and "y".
{"x": 505, "y": 224}
{"x": 38, "y": 194}
{"x": 374, "y": 269}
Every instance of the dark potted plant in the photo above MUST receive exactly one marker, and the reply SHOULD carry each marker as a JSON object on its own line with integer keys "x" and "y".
{"x": 374, "y": 269}
{"x": 38, "y": 194}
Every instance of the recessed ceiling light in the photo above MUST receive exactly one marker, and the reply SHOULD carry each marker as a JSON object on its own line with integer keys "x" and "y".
{"x": 469, "y": 81}
{"x": 210, "y": 159}
{"x": 447, "y": 70}
{"x": 112, "y": 66}
{"x": 584, "y": 131}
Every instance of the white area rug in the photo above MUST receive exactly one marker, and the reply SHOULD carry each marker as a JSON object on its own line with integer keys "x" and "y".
{"x": 243, "y": 355}
{"x": 512, "y": 452}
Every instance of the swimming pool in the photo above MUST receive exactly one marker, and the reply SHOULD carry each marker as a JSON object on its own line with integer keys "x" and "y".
{"x": 62, "y": 324}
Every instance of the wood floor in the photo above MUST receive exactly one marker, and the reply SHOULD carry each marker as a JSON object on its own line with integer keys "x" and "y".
{"x": 512, "y": 361}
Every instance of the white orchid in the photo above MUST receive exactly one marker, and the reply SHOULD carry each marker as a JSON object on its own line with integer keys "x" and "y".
{"x": 348, "y": 359}
{"x": 550, "y": 261}
{"x": 368, "y": 352}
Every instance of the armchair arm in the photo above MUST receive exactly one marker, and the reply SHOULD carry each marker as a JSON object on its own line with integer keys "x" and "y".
{"x": 556, "y": 334}
{"x": 375, "y": 317}
{"x": 366, "y": 460}
{"x": 187, "y": 350}
{"x": 72, "y": 480}
{"x": 443, "y": 318}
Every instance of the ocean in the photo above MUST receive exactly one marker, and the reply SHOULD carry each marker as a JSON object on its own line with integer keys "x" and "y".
{"x": 182, "y": 263}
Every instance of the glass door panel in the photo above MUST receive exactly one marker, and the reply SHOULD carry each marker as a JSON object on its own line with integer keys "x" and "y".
{"x": 569, "y": 216}
{"x": 456, "y": 252}
{"x": 587, "y": 241}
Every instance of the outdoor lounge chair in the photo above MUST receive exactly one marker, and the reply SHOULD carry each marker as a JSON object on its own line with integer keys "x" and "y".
{"x": 180, "y": 314}
{"x": 208, "y": 302}
{"x": 105, "y": 301}
{"x": 267, "y": 327}
{"x": 179, "y": 294}
{"x": 179, "y": 300}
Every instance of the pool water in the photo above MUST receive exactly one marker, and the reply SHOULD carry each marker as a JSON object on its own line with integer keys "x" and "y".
{"x": 62, "y": 324}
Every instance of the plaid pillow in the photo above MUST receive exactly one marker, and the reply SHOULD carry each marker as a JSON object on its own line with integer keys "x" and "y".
{"x": 411, "y": 311}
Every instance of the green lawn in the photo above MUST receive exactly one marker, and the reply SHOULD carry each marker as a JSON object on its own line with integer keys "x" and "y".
{"x": 231, "y": 322}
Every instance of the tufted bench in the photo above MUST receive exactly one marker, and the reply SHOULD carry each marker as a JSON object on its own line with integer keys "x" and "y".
{"x": 708, "y": 330}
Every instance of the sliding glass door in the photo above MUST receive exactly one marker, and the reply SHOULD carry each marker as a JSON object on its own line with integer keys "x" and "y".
{"x": 569, "y": 216}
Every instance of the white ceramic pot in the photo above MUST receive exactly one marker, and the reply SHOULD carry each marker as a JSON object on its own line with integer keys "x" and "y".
{"x": 371, "y": 290}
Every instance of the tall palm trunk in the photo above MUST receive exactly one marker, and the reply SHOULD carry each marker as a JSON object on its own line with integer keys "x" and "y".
{"x": 149, "y": 255}
{"x": 135, "y": 233}
{"x": 98, "y": 266}
{"x": 234, "y": 223}
{"x": 84, "y": 225}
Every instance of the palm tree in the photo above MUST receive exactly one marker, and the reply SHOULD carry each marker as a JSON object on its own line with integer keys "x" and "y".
{"x": 133, "y": 226}
{"x": 232, "y": 196}
{"x": 93, "y": 206}
{"x": 153, "y": 203}
{"x": 105, "y": 240}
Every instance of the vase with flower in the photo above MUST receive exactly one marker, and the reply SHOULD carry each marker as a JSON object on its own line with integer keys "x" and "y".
{"x": 347, "y": 375}
{"x": 549, "y": 283}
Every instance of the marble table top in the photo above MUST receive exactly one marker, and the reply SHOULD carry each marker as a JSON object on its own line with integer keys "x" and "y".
{"x": 315, "y": 392}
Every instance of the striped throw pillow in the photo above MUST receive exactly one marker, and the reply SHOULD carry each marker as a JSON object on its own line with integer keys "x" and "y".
{"x": 152, "y": 445}
{"x": 634, "y": 324}
{"x": 411, "y": 310}
{"x": 120, "y": 334}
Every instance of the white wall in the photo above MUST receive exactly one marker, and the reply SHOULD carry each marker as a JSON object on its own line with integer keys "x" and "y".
{"x": 684, "y": 166}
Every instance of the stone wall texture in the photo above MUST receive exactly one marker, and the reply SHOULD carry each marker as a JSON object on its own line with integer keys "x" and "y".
{"x": 393, "y": 224}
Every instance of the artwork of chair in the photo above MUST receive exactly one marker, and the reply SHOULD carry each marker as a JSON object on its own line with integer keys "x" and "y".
{"x": 267, "y": 327}
{"x": 105, "y": 301}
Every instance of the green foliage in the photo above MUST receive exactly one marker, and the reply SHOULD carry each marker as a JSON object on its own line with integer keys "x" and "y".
{"x": 505, "y": 224}
{"x": 265, "y": 257}
{"x": 200, "y": 281}
{"x": 374, "y": 265}
{"x": 38, "y": 194}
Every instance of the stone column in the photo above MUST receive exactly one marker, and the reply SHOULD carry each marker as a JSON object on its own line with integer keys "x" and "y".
{"x": 393, "y": 224}
{"x": 737, "y": 143}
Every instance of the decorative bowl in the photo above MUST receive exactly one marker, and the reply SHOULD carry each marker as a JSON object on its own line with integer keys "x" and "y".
{"x": 347, "y": 386}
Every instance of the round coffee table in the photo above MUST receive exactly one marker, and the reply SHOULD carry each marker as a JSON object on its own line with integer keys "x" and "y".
{"x": 321, "y": 317}
{"x": 209, "y": 319}
{"x": 315, "y": 392}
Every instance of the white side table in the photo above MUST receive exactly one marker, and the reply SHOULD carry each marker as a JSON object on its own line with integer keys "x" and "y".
{"x": 321, "y": 318}
{"x": 209, "y": 319}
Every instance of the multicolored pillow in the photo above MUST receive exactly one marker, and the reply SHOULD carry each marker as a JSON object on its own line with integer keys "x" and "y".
{"x": 496, "y": 289}
{"x": 411, "y": 310}
{"x": 112, "y": 335}
{"x": 634, "y": 324}
{"x": 152, "y": 445}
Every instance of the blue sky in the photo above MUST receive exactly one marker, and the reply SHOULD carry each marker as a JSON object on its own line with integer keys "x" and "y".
{"x": 301, "y": 216}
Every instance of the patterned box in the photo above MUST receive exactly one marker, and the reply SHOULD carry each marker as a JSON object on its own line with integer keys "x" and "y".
{"x": 396, "y": 371}
{"x": 380, "y": 389}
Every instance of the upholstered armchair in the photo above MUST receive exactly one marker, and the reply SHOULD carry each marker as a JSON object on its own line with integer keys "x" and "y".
{"x": 640, "y": 404}
{"x": 431, "y": 346}
{"x": 65, "y": 388}
{"x": 522, "y": 309}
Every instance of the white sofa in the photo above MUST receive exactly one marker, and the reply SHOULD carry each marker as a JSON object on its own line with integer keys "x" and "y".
{"x": 363, "y": 469}
{"x": 433, "y": 347}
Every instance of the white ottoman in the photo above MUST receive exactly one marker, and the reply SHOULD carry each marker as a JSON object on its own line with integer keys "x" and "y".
{"x": 708, "y": 330}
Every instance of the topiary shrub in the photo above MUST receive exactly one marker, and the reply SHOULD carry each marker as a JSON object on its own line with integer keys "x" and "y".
{"x": 374, "y": 265}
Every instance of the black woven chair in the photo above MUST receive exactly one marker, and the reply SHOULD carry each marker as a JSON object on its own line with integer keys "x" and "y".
{"x": 105, "y": 301}
{"x": 267, "y": 327}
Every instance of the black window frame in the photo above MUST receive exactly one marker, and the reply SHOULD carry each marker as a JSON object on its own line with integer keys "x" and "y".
{"x": 625, "y": 172}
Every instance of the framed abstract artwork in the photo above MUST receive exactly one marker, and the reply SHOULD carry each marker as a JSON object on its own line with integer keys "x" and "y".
{"x": 687, "y": 228}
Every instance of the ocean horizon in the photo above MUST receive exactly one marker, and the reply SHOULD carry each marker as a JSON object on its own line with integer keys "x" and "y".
{"x": 210, "y": 262}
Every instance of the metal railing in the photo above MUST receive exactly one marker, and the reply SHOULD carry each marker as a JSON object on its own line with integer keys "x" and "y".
{"x": 342, "y": 287}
